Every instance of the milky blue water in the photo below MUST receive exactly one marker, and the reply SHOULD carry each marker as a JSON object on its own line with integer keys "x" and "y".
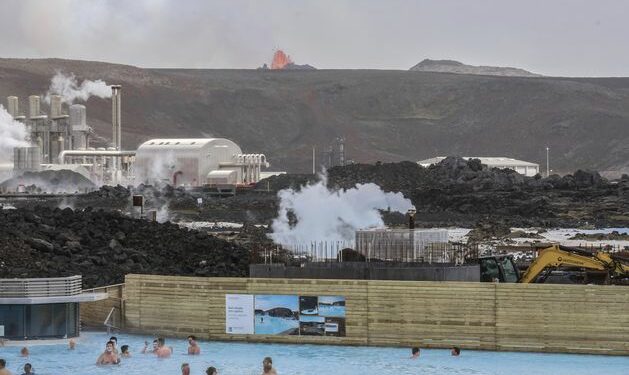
{"x": 246, "y": 359}
{"x": 332, "y": 311}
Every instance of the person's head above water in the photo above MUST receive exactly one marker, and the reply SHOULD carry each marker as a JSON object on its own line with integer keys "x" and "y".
{"x": 192, "y": 339}
{"x": 185, "y": 369}
{"x": 114, "y": 339}
{"x": 161, "y": 341}
{"x": 415, "y": 351}
{"x": 3, "y": 363}
{"x": 211, "y": 371}
{"x": 124, "y": 349}
{"x": 24, "y": 352}
{"x": 28, "y": 368}
{"x": 109, "y": 347}
{"x": 71, "y": 344}
{"x": 455, "y": 351}
{"x": 267, "y": 363}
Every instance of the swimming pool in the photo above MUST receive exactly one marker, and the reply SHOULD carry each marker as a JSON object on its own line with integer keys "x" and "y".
{"x": 245, "y": 359}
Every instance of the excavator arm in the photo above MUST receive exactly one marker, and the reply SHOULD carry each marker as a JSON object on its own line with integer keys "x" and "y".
{"x": 556, "y": 256}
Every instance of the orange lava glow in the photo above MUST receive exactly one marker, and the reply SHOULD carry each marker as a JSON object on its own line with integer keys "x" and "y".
{"x": 280, "y": 60}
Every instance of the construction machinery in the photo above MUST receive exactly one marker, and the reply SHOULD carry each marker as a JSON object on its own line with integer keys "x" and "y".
{"x": 502, "y": 268}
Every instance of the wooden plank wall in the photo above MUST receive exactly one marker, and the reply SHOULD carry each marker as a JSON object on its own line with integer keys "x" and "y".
{"x": 93, "y": 314}
{"x": 533, "y": 317}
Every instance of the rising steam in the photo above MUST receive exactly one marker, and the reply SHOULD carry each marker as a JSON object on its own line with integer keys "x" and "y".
{"x": 12, "y": 134}
{"x": 325, "y": 215}
{"x": 69, "y": 88}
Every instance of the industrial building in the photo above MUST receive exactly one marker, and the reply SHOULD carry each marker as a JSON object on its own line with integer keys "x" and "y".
{"x": 406, "y": 245}
{"x": 196, "y": 162}
{"x": 523, "y": 167}
{"x": 62, "y": 141}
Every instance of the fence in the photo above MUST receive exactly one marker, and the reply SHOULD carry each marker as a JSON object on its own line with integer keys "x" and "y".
{"x": 522, "y": 317}
{"x": 41, "y": 287}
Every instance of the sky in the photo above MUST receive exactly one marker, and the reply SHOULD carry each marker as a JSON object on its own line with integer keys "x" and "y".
{"x": 550, "y": 37}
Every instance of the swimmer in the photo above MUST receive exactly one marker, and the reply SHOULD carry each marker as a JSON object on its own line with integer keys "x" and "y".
{"x": 211, "y": 371}
{"x": 267, "y": 367}
{"x": 28, "y": 369}
{"x": 193, "y": 347}
{"x": 155, "y": 347}
{"x": 124, "y": 351}
{"x": 162, "y": 350}
{"x": 24, "y": 352}
{"x": 455, "y": 351}
{"x": 415, "y": 352}
{"x": 3, "y": 367}
{"x": 114, "y": 339}
{"x": 109, "y": 357}
{"x": 71, "y": 344}
{"x": 185, "y": 369}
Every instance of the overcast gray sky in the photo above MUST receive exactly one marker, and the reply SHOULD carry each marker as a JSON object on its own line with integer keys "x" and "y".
{"x": 552, "y": 37}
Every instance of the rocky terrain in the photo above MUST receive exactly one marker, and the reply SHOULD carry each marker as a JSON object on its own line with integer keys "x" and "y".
{"x": 104, "y": 246}
{"x": 454, "y": 192}
{"x": 451, "y": 66}
{"x": 385, "y": 116}
{"x": 62, "y": 181}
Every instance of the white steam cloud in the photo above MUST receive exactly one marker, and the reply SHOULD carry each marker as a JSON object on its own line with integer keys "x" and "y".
{"x": 12, "y": 134}
{"x": 325, "y": 215}
{"x": 69, "y": 88}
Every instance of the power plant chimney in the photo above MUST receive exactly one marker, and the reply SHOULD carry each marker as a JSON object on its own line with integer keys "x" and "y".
{"x": 116, "y": 92}
{"x": 55, "y": 107}
{"x": 13, "y": 107}
{"x": 34, "y": 107}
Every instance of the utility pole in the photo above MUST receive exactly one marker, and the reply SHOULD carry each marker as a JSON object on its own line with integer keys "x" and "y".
{"x": 547, "y": 162}
{"x": 313, "y": 160}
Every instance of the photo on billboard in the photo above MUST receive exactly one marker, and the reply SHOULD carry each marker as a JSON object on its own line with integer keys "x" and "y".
{"x": 276, "y": 315}
{"x": 311, "y": 325}
{"x": 332, "y": 306}
{"x": 334, "y": 327}
{"x": 308, "y": 305}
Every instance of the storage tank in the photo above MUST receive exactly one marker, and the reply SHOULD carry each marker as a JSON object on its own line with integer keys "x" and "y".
{"x": 26, "y": 159}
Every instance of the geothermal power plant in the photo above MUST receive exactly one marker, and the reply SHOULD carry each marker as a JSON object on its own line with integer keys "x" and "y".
{"x": 60, "y": 140}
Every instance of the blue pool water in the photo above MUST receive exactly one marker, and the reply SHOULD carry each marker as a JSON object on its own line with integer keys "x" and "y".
{"x": 245, "y": 359}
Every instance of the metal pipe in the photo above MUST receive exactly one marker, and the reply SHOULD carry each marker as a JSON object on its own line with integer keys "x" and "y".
{"x": 110, "y": 153}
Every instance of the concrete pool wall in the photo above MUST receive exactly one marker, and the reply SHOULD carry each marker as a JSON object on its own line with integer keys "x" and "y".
{"x": 511, "y": 317}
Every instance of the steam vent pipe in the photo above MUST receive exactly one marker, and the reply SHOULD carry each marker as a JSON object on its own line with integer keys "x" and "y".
{"x": 116, "y": 124}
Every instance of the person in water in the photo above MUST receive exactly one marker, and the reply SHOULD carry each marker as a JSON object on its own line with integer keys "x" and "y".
{"x": 124, "y": 351}
{"x": 193, "y": 346}
{"x": 28, "y": 369}
{"x": 71, "y": 344}
{"x": 415, "y": 352}
{"x": 185, "y": 369}
{"x": 211, "y": 371}
{"x": 3, "y": 367}
{"x": 24, "y": 352}
{"x": 109, "y": 357}
{"x": 163, "y": 351}
{"x": 114, "y": 339}
{"x": 154, "y": 350}
{"x": 267, "y": 367}
{"x": 455, "y": 351}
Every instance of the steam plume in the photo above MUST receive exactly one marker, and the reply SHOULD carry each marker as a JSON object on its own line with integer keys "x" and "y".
{"x": 68, "y": 87}
{"x": 12, "y": 134}
{"x": 325, "y": 215}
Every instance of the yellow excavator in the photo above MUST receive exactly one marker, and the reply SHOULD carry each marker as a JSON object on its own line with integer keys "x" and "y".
{"x": 502, "y": 268}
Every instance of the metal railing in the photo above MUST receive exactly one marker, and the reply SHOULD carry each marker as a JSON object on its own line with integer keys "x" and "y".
{"x": 110, "y": 321}
{"x": 41, "y": 287}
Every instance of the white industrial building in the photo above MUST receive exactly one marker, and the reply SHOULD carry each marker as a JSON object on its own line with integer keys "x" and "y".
{"x": 196, "y": 162}
{"x": 523, "y": 167}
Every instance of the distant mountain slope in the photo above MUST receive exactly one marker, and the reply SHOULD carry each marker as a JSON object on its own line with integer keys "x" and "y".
{"x": 451, "y": 66}
{"x": 384, "y": 115}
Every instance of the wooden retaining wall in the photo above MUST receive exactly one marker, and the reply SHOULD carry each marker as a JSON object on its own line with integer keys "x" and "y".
{"x": 93, "y": 314}
{"x": 520, "y": 317}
